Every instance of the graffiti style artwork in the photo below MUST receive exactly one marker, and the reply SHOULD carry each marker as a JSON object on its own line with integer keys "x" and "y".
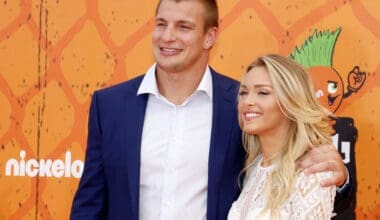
{"x": 316, "y": 55}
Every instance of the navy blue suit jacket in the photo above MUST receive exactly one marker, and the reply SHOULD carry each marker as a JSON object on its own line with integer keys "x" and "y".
{"x": 109, "y": 187}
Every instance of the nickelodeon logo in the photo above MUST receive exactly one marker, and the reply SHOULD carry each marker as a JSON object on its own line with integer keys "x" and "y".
{"x": 44, "y": 168}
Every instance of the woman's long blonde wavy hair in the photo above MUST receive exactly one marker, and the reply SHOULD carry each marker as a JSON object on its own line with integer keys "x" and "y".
{"x": 309, "y": 125}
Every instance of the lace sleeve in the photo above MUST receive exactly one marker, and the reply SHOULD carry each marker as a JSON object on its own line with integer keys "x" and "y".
{"x": 310, "y": 200}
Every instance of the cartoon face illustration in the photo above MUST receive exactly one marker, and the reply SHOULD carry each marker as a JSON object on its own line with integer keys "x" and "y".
{"x": 328, "y": 86}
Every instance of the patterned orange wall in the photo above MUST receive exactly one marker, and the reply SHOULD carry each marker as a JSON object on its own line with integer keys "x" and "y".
{"x": 54, "y": 54}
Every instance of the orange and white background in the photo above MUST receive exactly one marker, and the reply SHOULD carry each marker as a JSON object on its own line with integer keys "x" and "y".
{"x": 54, "y": 54}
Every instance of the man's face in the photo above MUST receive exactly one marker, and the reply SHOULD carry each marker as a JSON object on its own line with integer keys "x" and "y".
{"x": 179, "y": 39}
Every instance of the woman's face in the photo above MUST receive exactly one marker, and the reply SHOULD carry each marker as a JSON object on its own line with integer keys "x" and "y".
{"x": 259, "y": 112}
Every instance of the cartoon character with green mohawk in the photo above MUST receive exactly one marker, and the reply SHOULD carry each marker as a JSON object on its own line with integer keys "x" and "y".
{"x": 315, "y": 55}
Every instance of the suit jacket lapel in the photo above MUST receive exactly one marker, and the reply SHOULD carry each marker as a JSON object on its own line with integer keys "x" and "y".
{"x": 222, "y": 122}
{"x": 135, "y": 111}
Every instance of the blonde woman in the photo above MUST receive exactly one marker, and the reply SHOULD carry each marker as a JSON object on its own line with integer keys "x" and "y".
{"x": 281, "y": 119}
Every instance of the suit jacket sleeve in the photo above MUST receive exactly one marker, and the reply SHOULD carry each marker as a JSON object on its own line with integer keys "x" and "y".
{"x": 345, "y": 200}
{"x": 90, "y": 199}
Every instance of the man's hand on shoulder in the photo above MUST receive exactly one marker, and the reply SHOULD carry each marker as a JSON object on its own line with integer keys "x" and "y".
{"x": 321, "y": 159}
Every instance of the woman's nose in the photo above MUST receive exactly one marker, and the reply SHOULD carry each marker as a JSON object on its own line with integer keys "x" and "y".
{"x": 250, "y": 99}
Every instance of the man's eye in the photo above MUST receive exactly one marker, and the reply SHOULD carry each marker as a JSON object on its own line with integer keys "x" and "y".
{"x": 160, "y": 24}
{"x": 184, "y": 27}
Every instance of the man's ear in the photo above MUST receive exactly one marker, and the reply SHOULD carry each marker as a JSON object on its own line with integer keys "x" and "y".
{"x": 210, "y": 39}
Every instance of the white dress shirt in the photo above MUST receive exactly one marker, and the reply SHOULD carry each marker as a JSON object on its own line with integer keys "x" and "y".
{"x": 174, "y": 153}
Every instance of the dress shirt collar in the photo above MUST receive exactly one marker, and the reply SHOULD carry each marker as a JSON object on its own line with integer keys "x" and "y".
{"x": 149, "y": 83}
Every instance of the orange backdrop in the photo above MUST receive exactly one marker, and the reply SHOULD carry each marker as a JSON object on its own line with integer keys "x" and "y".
{"x": 54, "y": 54}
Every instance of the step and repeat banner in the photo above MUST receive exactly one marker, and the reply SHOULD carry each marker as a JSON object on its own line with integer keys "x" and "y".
{"x": 55, "y": 54}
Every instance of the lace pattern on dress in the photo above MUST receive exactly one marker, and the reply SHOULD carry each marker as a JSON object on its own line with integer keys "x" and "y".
{"x": 307, "y": 201}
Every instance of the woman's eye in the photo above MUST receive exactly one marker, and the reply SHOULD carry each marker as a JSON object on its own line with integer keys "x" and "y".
{"x": 263, "y": 93}
{"x": 241, "y": 93}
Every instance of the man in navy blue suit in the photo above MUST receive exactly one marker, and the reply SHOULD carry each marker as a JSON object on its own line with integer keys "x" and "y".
{"x": 167, "y": 145}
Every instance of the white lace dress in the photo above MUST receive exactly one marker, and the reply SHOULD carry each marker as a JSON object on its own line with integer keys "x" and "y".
{"x": 307, "y": 201}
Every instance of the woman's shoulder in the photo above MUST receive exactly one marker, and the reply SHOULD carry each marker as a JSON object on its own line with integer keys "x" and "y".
{"x": 312, "y": 180}
{"x": 309, "y": 198}
{"x": 307, "y": 183}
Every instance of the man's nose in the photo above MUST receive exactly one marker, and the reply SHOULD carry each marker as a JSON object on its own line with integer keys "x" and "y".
{"x": 169, "y": 34}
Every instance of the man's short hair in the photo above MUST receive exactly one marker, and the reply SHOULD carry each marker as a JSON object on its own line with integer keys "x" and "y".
{"x": 211, "y": 12}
